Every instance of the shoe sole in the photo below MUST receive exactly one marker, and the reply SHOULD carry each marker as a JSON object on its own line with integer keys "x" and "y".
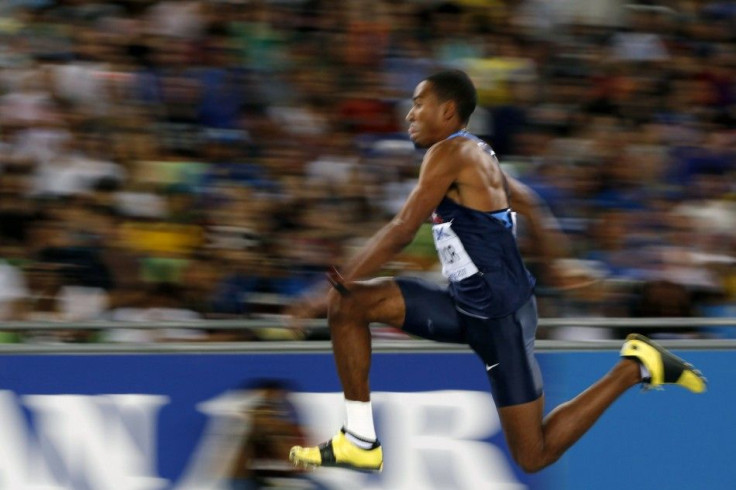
{"x": 308, "y": 465}
{"x": 688, "y": 376}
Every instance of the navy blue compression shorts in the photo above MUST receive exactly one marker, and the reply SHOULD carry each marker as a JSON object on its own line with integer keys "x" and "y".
{"x": 505, "y": 344}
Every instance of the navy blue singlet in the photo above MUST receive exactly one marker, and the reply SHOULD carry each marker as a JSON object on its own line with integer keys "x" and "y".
{"x": 490, "y": 241}
{"x": 489, "y": 302}
{"x": 503, "y": 284}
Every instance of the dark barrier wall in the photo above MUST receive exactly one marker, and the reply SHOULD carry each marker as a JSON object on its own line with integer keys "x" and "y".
{"x": 177, "y": 421}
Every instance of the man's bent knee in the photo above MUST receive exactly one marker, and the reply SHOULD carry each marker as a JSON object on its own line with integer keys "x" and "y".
{"x": 377, "y": 300}
{"x": 342, "y": 306}
{"x": 529, "y": 465}
{"x": 533, "y": 461}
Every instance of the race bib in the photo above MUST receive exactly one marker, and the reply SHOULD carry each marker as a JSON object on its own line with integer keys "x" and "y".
{"x": 456, "y": 263}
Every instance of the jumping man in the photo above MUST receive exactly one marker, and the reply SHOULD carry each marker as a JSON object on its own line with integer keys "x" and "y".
{"x": 489, "y": 303}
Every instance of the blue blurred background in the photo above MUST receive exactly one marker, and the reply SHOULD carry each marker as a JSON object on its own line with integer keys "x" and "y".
{"x": 225, "y": 421}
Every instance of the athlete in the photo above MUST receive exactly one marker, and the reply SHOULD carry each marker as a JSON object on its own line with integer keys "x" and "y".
{"x": 488, "y": 304}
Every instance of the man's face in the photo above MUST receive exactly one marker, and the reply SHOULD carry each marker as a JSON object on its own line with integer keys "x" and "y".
{"x": 426, "y": 116}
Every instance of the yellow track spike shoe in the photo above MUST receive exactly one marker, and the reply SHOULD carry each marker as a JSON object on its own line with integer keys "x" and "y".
{"x": 340, "y": 452}
{"x": 664, "y": 367}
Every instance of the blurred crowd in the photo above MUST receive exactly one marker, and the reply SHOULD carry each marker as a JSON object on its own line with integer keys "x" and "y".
{"x": 204, "y": 159}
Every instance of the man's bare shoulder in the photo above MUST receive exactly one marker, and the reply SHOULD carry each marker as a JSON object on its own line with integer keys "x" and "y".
{"x": 450, "y": 149}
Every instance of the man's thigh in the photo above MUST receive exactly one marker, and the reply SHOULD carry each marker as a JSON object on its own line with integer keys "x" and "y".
{"x": 430, "y": 311}
{"x": 373, "y": 300}
{"x": 506, "y": 346}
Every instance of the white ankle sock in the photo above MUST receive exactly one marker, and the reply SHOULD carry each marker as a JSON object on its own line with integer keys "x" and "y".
{"x": 359, "y": 422}
{"x": 645, "y": 374}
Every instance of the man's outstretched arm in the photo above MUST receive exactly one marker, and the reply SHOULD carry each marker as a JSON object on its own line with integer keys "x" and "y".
{"x": 550, "y": 242}
{"x": 435, "y": 177}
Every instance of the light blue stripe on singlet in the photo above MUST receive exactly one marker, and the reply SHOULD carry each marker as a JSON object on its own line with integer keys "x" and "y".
{"x": 473, "y": 137}
{"x": 462, "y": 132}
{"x": 505, "y": 216}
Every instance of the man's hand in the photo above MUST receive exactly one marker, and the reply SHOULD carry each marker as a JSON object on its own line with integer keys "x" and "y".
{"x": 337, "y": 281}
{"x": 570, "y": 274}
{"x": 306, "y": 308}
{"x": 314, "y": 304}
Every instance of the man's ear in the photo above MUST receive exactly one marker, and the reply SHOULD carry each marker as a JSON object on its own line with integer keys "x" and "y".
{"x": 448, "y": 110}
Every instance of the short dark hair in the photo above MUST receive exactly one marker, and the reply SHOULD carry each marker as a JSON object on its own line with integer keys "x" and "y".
{"x": 457, "y": 86}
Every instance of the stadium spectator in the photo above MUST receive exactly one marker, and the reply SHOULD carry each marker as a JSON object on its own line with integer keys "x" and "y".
{"x": 179, "y": 127}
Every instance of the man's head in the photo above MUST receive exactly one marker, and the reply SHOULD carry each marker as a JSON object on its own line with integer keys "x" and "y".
{"x": 443, "y": 104}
